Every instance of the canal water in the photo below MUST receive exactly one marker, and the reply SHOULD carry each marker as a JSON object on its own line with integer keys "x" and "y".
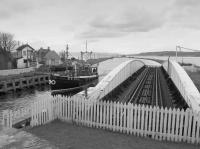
{"x": 13, "y": 100}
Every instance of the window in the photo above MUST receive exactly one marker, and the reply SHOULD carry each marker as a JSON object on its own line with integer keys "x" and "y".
{"x": 24, "y": 53}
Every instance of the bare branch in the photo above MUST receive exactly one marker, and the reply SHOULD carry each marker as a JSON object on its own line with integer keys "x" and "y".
{"x": 7, "y": 42}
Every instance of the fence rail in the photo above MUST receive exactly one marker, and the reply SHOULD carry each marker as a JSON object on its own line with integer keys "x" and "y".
{"x": 146, "y": 121}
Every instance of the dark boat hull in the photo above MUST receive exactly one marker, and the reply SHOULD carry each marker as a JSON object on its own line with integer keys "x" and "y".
{"x": 72, "y": 84}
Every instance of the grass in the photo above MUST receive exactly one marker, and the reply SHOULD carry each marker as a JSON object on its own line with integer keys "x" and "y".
{"x": 68, "y": 136}
{"x": 195, "y": 76}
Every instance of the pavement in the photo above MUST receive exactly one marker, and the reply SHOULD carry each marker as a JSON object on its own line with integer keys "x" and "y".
{"x": 18, "y": 139}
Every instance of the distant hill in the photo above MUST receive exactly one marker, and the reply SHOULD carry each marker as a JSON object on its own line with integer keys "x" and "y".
{"x": 168, "y": 53}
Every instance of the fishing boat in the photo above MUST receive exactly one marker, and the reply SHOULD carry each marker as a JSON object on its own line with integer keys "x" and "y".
{"x": 73, "y": 76}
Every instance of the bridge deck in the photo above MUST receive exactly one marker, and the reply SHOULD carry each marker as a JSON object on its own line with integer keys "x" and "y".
{"x": 149, "y": 86}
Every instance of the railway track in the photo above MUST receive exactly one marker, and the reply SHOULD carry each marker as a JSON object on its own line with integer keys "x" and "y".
{"x": 150, "y": 88}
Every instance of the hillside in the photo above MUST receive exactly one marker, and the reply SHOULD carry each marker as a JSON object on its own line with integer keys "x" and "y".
{"x": 169, "y": 53}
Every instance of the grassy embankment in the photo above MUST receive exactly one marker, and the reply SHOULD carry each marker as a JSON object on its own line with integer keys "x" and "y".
{"x": 195, "y": 76}
{"x": 68, "y": 136}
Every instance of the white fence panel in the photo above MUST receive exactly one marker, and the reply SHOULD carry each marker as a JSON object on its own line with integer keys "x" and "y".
{"x": 158, "y": 123}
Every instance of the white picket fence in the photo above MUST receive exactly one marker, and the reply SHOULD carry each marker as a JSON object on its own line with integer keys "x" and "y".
{"x": 147, "y": 121}
{"x": 11, "y": 117}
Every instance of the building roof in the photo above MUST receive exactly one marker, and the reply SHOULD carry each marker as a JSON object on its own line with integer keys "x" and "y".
{"x": 52, "y": 54}
{"x": 24, "y": 46}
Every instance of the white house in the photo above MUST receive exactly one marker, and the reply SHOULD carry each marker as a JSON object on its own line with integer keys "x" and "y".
{"x": 25, "y": 56}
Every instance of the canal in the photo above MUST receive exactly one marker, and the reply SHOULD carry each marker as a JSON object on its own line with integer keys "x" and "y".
{"x": 13, "y": 100}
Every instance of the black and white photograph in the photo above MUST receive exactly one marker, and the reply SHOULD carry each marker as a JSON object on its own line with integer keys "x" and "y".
{"x": 99, "y": 74}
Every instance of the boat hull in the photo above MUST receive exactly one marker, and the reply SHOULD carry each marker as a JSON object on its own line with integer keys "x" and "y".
{"x": 72, "y": 84}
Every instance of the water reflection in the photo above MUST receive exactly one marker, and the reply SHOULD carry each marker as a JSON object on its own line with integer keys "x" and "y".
{"x": 23, "y": 97}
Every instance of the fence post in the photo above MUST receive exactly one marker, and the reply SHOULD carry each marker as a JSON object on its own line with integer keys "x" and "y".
{"x": 157, "y": 122}
{"x": 111, "y": 116}
{"x": 180, "y": 135}
{"x": 143, "y": 108}
{"x": 135, "y": 119}
{"x": 146, "y": 110}
{"x": 101, "y": 111}
{"x": 117, "y": 122}
{"x": 173, "y": 124}
{"x": 94, "y": 113}
{"x": 114, "y": 116}
{"x": 154, "y": 122}
{"x": 169, "y": 125}
{"x": 190, "y": 126}
{"x": 177, "y": 124}
{"x": 107, "y": 114}
{"x": 198, "y": 129}
{"x": 194, "y": 127}
{"x": 10, "y": 118}
{"x": 5, "y": 122}
{"x": 125, "y": 126}
{"x": 121, "y": 113}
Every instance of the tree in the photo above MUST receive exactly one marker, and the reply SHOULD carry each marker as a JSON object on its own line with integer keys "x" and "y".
{"x": 7, "y": 42}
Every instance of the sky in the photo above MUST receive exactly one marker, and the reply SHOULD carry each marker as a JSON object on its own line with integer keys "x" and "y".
{"x": 114, "y": 26}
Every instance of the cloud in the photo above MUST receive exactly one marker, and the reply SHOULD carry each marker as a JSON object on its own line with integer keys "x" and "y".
{"x": 4, "y": 14}
{"x": 187, "y": 3}
{"x": 10, "y": 9}
{"x": 185, "y": 13}
{"x": 121, "y": 24}
{"x": 137, "y": 22}
{"x": 99, "y": 33}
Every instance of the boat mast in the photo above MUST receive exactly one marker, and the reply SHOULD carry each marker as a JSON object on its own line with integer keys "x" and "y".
{"x": 67, "y": 51}
{"x": 86, "y": 53}
{"x": 86, "y": 46}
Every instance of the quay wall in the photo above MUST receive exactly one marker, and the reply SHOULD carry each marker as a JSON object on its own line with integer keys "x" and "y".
{"x": 15, "y": 71}
{"x": 19, "y": 83}
{"x": 184, "y": 84}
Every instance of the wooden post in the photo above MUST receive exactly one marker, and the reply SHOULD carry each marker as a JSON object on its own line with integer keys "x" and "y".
{"x": 143, "y": 109}
{"x": 157, "y": 122}
{"x": 21, "y": 83}
{"x": 135, "y": 119}
{"x": 146, "y": 113}
{"x": 111, "y": 116}
{"x": 5, "y": 86}
{"x": 198, "y": 129}
{"x": 190, "y": 126}
{"x": 165, "y": 123}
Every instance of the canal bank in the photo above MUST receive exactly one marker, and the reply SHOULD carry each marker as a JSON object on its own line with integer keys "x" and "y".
{"x": 18, "y": 82}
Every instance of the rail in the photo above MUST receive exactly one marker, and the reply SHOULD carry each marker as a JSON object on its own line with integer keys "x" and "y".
{"x": 184, "y": 84}
{"x": 149, "y": 88}
{"x": 117, "y": 76}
